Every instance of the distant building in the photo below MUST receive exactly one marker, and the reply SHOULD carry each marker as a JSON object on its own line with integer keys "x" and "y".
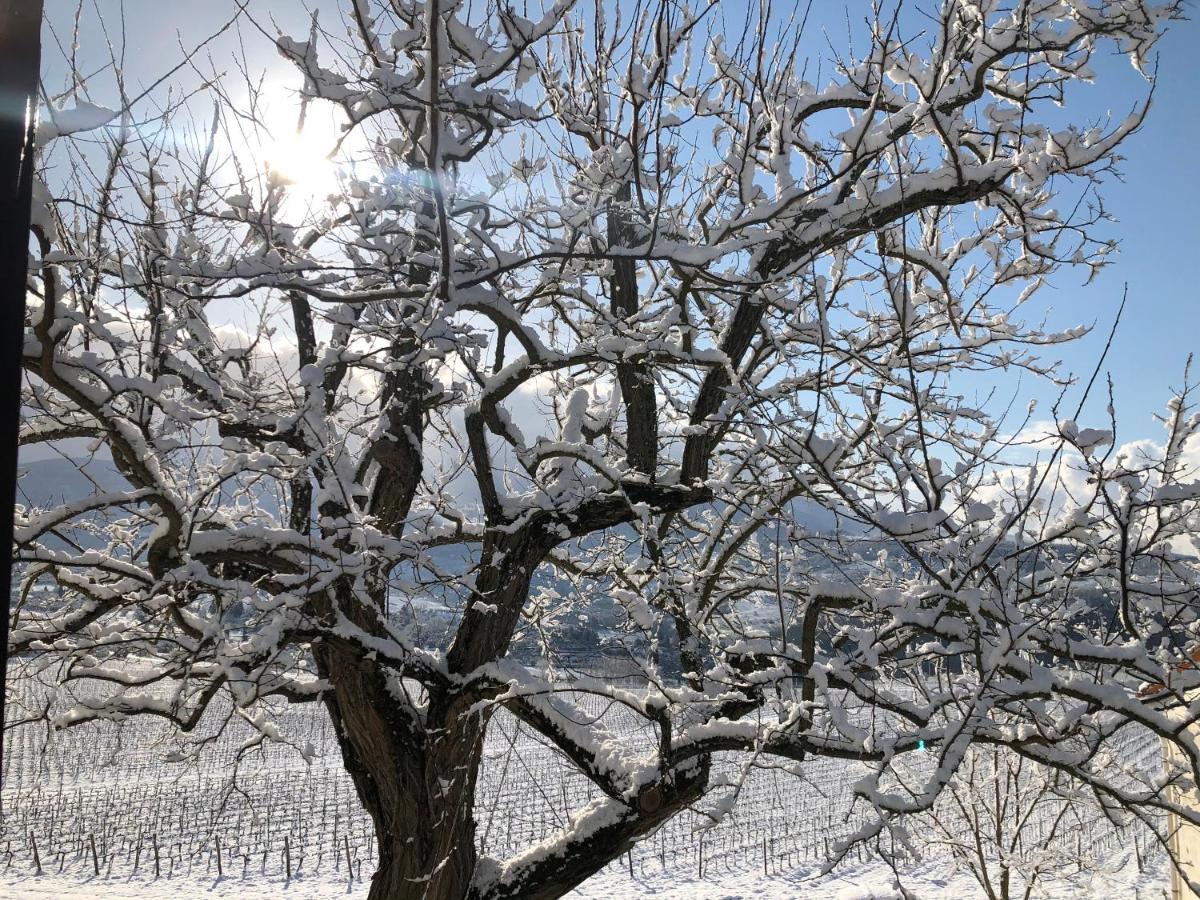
{"x": 1184, "y": 837}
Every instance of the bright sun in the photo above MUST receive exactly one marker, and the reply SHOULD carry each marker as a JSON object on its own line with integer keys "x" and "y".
{"x": 300, "y": 157}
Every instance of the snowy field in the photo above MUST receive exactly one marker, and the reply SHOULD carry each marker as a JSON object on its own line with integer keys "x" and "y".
{"x": 865, "y": 882}
{"x": 121, "y": 812}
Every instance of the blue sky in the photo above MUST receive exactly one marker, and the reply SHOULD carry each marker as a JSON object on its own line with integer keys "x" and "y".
{"x": 1155, "y": 206}
{"x": 1158, "y": 228}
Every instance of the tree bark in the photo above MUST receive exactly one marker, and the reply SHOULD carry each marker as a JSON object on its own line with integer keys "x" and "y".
{"x": 553, "y": 875}
{"x": 419, "y": 788}
{"x": 635, "y": 378}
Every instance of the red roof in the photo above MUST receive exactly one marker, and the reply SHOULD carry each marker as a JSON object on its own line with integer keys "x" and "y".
{"x": 1153, "y": 689}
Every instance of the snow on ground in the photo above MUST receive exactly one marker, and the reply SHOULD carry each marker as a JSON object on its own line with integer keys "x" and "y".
{"x": 928, "y": 881}
{"x": 112, "y": 786}
{"x": 874, "y": 881}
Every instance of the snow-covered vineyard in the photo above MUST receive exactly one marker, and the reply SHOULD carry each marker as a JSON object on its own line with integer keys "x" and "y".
{"x": 117, "y": 809}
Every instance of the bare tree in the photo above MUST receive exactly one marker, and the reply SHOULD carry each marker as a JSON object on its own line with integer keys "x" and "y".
{"x": 737, "y": 296}
{"x": 1013, "y": 824}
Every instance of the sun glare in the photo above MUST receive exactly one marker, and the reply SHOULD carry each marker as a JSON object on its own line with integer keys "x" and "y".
{"x": 299, "y": 157}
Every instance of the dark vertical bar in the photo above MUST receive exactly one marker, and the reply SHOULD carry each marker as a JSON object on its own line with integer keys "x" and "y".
{"x": 20, "y": 58}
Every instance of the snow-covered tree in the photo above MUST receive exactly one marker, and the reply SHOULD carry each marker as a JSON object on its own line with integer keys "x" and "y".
{"x": 1015, "y": 826}
{"x": 608, "y": 306}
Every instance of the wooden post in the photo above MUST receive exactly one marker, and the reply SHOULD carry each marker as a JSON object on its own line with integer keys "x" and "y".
{"x": 20, "y": 62}
{"x": 220, "y": 868}
{"x": 37, "y": 859}
{"x": 95, "y": 858}
{"x": 287, "y": 856}
{"x": 154, "y": 839}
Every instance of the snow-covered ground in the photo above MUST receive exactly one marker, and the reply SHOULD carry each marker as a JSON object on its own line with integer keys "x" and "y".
{"x": 105, "y": 798}
{"x": 929, "y": 881}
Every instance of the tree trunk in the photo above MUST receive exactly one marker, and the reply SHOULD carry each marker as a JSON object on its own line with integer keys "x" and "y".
{"x": 431, "y": 855}
{"x": 418, "y": 785}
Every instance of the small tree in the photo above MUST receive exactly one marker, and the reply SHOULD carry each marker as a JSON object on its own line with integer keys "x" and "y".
{"x": 721, "y": 339}
{"x": 1013, "y": 824}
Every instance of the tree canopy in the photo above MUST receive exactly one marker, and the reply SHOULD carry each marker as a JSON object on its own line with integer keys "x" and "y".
{"x": 607, "y": 307}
